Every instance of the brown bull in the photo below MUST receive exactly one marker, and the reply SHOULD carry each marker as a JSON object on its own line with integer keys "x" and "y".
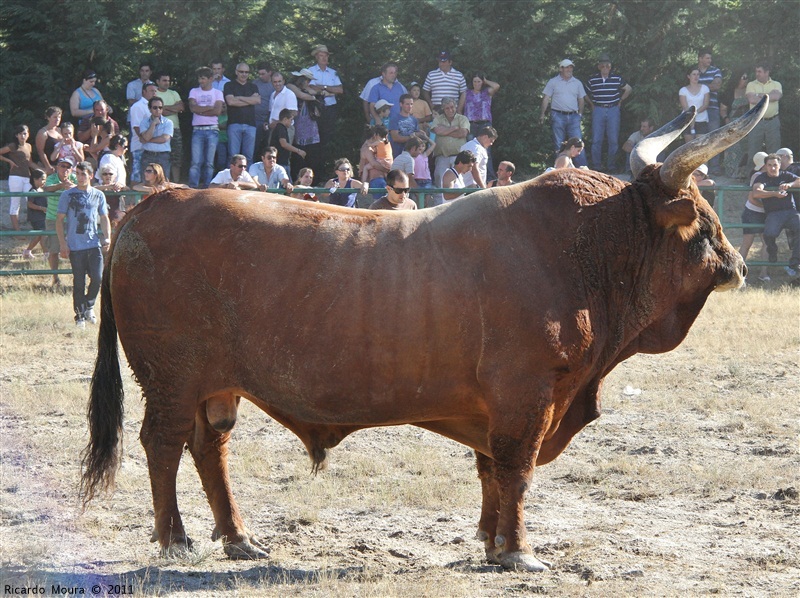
{"x": 492, "y": 321}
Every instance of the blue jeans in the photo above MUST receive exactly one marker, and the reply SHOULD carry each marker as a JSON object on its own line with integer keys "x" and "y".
{"x": 204, "y": 144}
{"x": 85, "y": 262}
{"x": 566, "y": 126}
{"x": 136, "y": 165}
{"x": 163, "y": 159}
{"x": 788, "y": 220}
{"x": 605, "y": 123}
{"x": 241, "y": 140}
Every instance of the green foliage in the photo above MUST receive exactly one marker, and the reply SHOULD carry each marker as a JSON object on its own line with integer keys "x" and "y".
{"x": 45, "y": 44}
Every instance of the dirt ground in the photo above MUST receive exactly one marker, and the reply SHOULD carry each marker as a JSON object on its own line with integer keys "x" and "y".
{"x": 687, "y": 484}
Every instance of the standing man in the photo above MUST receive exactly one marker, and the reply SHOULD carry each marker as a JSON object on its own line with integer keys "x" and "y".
{"x": 607, "y": 91}
{"x": 242, "y": 97}
{"x": 768, "y": 129}
{"x": 711, "y": 77}
{"x": 134, "y": 90}
{"x": 156, "y": 131}
{"x": 445, "y": 82}
{"x": 138, "y": 112}
{"x": 218, "y": 71}
{"x": 451, "y": 131}
{"x": 565, "y": 96}
{"x": 505, "y": 170}
{"x": 389, "y": 89}
{"x": 396, "y": 198}
{"x": 326, "y": 83}
{"x": 479, "y": 146}
{"x": 173, "y": 106}
{"x": 206, "y": 104}
{"x": 365, "y": 105}
{"x": 80, "y": 210}
{"x": 403, "y": 125}
{"x": 263, "y": 83}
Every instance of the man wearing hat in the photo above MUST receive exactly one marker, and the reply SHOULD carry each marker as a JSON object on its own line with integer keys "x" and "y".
{"x": 445, "y": 82}
{"x": 787, "y": 161}
{"x": 607, "y": 91}
{"x": 61, "y": 180}
{"x": 565, "y": 96}
{"x": 327, "y": 84}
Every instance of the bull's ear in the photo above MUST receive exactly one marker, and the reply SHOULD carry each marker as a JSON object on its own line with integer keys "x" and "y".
{"x": 676, "y": 213}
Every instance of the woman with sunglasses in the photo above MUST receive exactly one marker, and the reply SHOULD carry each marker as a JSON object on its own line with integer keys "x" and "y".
{"x": 155, "y": 181}
{"x": 344, "y": 180}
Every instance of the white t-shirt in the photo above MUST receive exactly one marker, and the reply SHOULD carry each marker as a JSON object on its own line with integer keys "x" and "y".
{"x": 696, "y": 101}
{"x": 483, "y": 160}
{"x": 224, "y": 177}
{"x": 119, "y": 166}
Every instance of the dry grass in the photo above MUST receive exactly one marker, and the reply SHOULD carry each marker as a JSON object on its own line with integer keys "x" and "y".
{"x": 681, "y": 490}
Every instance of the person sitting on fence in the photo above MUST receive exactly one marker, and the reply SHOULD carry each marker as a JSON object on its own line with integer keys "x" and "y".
{"x": 453, "y": 176}
{"x": 116, "y": 202}
{"x": 267, "y": 174}
{"x": 376, "y": 156}
{"x": 700, "y": 176}
{"x": 344, "y": 186}
{"x": 234, "y": 177}
{"x": 305, "y": 180}
{"x": 37, "y": 208}
{"x": 155, "y": 181}
{"x": 422, "y": 169}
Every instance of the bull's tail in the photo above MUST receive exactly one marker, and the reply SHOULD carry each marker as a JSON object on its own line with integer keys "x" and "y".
{"x": 101, "y": 457}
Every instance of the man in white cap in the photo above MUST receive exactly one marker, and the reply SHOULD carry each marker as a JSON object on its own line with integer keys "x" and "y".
{"x": 565, "y": 96}
{"x": 326, "y": 83}
{"x": 787, "y": 161}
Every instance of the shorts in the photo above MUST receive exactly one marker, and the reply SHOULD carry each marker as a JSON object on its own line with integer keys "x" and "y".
{"x": 50, "y": 242}
{"x": 752, "y": 217}
{"x": 17, "y": 183}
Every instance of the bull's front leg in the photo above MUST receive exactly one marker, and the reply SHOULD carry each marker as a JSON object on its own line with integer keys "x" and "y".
{"x": 214, "y": 421}
{"x": 490, "y": 507}
{"x": 515, "y": 437}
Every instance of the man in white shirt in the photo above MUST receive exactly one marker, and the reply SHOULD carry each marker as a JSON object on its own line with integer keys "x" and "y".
{"x": 565, "y": 96}
{"x": 326, "y": 83}
{"x": 134, "y": 89}
{"x": 477, "y": 175}
{"x": 138, "y": 112}
{"x": 235, "y": 177}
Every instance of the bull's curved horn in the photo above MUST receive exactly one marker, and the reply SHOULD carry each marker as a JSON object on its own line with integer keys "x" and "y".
{"x": 682, "y": 162}
{"x": 645, "y": 152}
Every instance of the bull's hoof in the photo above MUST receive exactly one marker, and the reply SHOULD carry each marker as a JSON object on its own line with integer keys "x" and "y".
{"x": 492, "y": 551}
{"x": 179, "y": 549}
{"x": 247, "y": 549}
{"x": 522, "y": 561}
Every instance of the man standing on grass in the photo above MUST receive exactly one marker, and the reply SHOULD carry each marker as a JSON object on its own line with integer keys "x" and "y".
{"x": 80, "y": 209}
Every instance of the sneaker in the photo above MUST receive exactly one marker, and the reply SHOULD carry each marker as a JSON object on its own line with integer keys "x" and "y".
{"x": 790, "y": 271}
{"x": 80, "y": 324}
{"x": 27, "y": 254}
{"x": 90, "y": 317}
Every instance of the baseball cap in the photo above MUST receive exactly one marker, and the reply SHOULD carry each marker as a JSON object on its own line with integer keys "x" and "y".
{"x": 758, "y": 160}
{"x": 702, "y": 168}
{"x": 444, "y": 55}
{"x": 784, "y": 151}
{"x": 67, "y": 160}
{"x": 566, "y": 62}
{"x": 382, "y": 104}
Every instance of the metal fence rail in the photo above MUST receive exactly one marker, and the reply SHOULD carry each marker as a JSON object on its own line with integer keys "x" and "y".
{"x": 420, "y": 194}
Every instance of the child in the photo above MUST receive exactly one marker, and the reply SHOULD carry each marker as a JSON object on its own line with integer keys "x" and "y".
{"x": 18, "y": 155}
{"x": 376, "y": 155}
{"x": 421, "y": 110}
{"x": 422, "y": 172}
{"x": 37, "y": 207}
{"x": 68, "y": 147}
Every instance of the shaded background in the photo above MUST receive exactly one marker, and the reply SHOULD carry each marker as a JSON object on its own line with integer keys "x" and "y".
{"x": 46, "y": 44}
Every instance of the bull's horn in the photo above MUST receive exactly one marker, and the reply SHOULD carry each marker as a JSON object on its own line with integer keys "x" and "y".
{"x": 645, "y": 152}
{"x": 681, "y": 163}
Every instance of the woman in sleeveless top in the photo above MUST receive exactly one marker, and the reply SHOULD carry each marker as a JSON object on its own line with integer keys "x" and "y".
{"x": 47, "y": 137}
{"x": 344, "y": 180}
{"x": 18, "y": 154}
{"x": 83, "y": 98}
{"x": 570, "y": 149}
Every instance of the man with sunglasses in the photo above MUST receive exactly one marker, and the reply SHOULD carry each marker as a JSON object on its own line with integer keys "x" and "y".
{"x": 156, "y": 132}
{"x": 235, "y": 177}
{"x": 242, "y": 97}
{"x": 396, "y": 198}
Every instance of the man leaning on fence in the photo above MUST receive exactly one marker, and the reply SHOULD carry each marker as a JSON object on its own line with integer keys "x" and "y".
{"x": 80, "y": 210}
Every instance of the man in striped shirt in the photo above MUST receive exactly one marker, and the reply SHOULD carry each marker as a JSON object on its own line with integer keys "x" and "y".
{"x": 445, "y": 82}
{"x": 711, "y": 77}
{"x": 606, "y": 91}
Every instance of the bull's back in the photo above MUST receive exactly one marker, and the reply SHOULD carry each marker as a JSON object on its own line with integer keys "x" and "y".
{"x": 291, "y": 301}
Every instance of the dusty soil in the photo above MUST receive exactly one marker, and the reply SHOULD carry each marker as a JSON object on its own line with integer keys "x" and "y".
{"x": 687, "y": 485}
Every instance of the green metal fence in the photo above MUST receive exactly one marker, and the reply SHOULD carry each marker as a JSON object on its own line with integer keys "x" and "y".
{"x": 420, "y": 195}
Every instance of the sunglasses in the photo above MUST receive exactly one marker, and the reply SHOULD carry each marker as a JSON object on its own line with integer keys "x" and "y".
{"x": 344, "y": 169}
{"x": 156, "y": 107}
{"x": 270, "y": 158}
{"x": 240, "y": 165}
{"x": 150, "y": 170}
{"x": 401, "y": 190}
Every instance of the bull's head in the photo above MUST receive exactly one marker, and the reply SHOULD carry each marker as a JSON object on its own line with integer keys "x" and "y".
{"x": 679, "y": 205}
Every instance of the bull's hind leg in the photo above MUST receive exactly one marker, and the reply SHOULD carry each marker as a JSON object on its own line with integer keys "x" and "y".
{"x": 214, "y": 421}
{"x": 163, "y": 436}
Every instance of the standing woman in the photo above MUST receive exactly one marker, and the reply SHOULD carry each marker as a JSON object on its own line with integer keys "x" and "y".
{"x": 733, "y": 103}
{"x": 47, "y": 137}
{"x": 478, "y": 109}
{"x": 81, "y": 103}
{"x": 18, "y": 154}
{"x": 695, "y": 94}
